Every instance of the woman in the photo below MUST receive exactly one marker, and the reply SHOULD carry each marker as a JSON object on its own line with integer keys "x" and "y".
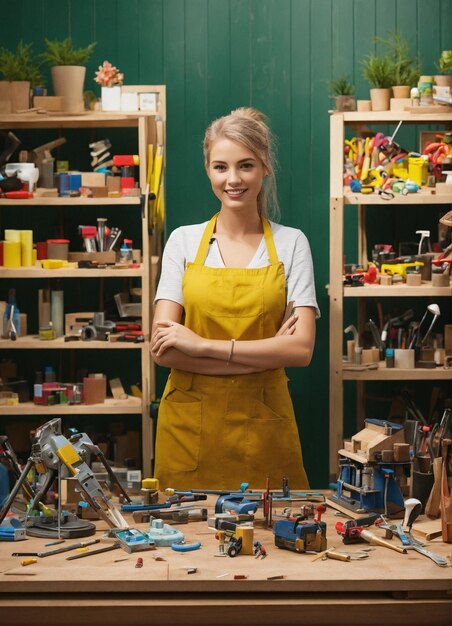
{"x": 226, "y": 416}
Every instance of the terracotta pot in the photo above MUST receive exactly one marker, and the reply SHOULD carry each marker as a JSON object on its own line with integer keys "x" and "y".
{"x": 5, "y": 97}
{"x": 401, "y": 91}
{"x": 345, "y": 103}
{"x": 20, "y": 95}
{"x": 68, "y": 82}
{"x": 380, "y": 99}
{"x": 443, "y": 80}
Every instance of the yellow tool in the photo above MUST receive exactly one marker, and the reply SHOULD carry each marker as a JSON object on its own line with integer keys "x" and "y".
{"x": 378, "y": 541}
{"x": 28, "y": 561}
{"x": 331, "y": 554}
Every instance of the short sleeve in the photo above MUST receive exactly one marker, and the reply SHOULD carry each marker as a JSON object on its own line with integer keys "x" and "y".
{"x": 300, "y": 278}
{"x": 173, "y": 267}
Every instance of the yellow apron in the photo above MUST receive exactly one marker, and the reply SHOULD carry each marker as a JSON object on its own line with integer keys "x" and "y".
{"x": 215, "y": 432}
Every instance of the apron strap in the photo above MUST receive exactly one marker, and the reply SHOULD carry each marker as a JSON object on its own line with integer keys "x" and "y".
{"x": 205, "y": 241}
{"x": 207, "y": 236}
{"x": 268, "y": 236}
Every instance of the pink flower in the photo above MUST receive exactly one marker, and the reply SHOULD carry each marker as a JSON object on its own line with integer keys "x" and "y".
{"x": 108, "y": 75}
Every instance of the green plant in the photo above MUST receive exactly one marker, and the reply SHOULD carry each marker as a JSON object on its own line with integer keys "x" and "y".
{"x": 341, "y": 86}
{"x": 64, "y": 53}
{"x": 19, "y": 65}
{"x": 405, "y": 69}
{"x": 445, "y": 61}
{"x": 377, "y": 70}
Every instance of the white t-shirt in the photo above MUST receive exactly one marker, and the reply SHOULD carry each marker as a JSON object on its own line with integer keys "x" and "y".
{"x": 291, "y": 245}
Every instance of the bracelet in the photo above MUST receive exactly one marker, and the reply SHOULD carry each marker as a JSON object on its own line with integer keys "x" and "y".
{"x": 231, "y": 352}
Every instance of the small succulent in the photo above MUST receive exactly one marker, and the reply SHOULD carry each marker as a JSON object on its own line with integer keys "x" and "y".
{"x": 341, "y": 86}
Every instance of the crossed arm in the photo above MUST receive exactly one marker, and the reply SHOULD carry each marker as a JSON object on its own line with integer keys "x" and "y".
{"x": 174, "y": 345}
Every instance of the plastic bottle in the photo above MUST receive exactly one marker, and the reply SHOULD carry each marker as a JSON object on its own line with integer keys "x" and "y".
{"x": 389, "y": 358}
{"x": 125, "y": 252}
{"x": 37, "y": 388}
{"x": 49, "y": 374}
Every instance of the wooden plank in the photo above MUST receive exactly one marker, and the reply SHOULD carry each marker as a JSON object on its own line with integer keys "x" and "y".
{"x": 150, "y": 42}
{"x": 240, "y": 53}
{"x": 127, "y": 44}
{"x": 219, "y": 59}
{"x": 174, "y": 72}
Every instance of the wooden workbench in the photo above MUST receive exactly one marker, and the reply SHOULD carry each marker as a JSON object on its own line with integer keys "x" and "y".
{"x": 387, "y": 588}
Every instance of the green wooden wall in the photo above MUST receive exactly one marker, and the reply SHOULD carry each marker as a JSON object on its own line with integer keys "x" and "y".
{"x": 277, "y": 55}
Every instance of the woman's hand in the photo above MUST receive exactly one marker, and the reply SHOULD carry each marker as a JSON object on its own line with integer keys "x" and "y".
{"x": 169, "y": 334}
{"x": 289, "y": 326}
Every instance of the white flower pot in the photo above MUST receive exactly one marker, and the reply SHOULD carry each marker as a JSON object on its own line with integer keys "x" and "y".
{"x": 111, "y": 98}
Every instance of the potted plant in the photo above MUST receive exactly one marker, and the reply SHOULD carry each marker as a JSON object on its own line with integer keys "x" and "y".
{"x": 68, "y": 70}
{"x": 445, "y": 67}
{"x": 20, "y": 72}
{"x": 343, "y": 93}
{"x": 378, "y": 71}
{"x": 405, "y": 69}
{"x": 110, "y": 79}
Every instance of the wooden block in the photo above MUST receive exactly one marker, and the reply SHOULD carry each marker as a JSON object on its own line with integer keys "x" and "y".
{"x": 385, "y": 279}
{"x": 73, "y": 322}
{"x": 401, "y": 452}
{"x": 117, "y": 390}
{"x": 101, "y": 257}
{"x": 93, "y": 179}
{"x": 43, "y": 192}
{"x": 371, "y": 355}
{"x": 94, "y": 390}
{"x": 99, "y": 192}
{"x": 23, "y": 324}
{"x": 399, "y": 104}
{"x": 114, "y": 184}
{"x": 414, "y": 280}
{"x": 443, "y": 189}
{"x": 448, "y": 338}
{"x": 49, "y": 103}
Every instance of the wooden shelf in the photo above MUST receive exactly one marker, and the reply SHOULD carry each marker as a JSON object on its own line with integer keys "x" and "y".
{"x": 423, "y": 196}
{"x": 399, "y": 291}
{"x": 439, "y": 373}
{"x": 37, "y": 272}
{"x": 383, "y": 117}
{"x": 33, "y": 342}
{"x": 131, "y": 406}
{"x": 122, "y": 119}
{"x": 37, "y": 201}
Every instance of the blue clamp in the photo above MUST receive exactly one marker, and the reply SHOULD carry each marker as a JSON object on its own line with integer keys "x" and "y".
{"x": 186, "y": 547}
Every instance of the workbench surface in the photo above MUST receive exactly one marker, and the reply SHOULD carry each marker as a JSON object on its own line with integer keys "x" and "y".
{"x": 387, "y": 587}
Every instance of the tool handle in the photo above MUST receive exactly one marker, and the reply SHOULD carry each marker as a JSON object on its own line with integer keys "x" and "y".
{"x": 377, "y": 541}
{"x": 72, "y": 546}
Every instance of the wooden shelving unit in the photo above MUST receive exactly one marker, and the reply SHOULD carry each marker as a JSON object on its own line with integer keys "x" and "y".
{"x": 150, "y": 129}
{"x": 341, "y": 200}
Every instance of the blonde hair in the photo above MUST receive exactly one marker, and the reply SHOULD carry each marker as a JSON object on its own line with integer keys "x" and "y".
{"x": 249, "y": 127}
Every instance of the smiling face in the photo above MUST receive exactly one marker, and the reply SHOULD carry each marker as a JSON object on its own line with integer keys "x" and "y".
{"x": 236, "y": 174}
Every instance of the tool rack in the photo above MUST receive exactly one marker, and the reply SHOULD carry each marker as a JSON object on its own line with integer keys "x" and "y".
{"x": 144, "y": 124}
{"x": 343, "y": 202}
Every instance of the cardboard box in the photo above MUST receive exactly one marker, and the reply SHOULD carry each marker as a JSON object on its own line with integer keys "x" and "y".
{"x": 94, "y": 390}
{"x": 74, "y": 322}
{"x": 93, "y": 179}
{"x": 127, "y": 447}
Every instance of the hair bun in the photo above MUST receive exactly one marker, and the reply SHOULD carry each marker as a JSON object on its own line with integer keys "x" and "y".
{"x": 251, "y": 113}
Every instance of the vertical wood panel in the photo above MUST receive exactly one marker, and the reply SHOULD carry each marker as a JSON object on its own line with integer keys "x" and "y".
{"x": 106, "y": 35}
{"x": 240, "y": 53}
{"x": 150, "y": 40}
{"x": 446, "y": 25}
{"x": 174, "y": 78}
{"x": 56, "y": 19}
{"x": 271, "y": 78}
{"x": 428, "y": 15}
{"x": 218, "y": 59}
{"x": 202, "y": 204}
{"x": 127, "y": 42}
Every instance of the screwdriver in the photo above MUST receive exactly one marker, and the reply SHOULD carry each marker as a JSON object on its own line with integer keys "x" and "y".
{"x": 72, "y": 546}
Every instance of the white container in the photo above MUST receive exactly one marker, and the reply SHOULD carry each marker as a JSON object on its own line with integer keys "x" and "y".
{"x": 403, "y": 359}
{"x": 111, "y": 98}
{"x": 148, "y": 101}
{"x": 129, "y": 101}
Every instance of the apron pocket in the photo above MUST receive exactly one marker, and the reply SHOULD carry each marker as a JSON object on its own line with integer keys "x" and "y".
{"x": 270, "y": 437}
{"x": 179, "y": 431}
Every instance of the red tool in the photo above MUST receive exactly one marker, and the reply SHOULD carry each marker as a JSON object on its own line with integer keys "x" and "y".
{"x": 121, "y": 160}
{"x": 321, "y": 508}
{"x": 17, "y": 195}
